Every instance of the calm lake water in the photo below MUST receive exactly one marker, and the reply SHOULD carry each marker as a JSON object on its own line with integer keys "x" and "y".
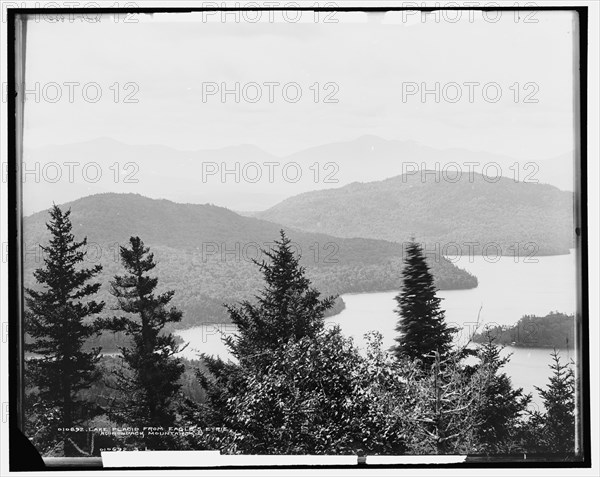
{"x": 507, "y": 290}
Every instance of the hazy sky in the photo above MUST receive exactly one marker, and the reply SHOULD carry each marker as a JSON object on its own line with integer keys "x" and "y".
{"x": 369, "y": 63}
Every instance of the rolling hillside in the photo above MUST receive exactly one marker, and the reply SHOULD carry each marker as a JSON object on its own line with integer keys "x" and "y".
{"x": 472, "y": 209}
{"x": 205, "y": 252}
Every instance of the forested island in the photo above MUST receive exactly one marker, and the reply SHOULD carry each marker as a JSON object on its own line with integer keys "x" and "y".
{"x": 555, "y": 330}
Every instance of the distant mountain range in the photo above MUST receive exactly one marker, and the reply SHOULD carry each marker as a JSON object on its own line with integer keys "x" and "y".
{"x": 247, "y": 178}
{"x": 204, "y": 252}
{"x": 535, "y": 218}
{"x": 349, "y": 233}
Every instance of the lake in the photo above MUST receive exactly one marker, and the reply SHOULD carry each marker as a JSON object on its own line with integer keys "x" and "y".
{"x": 507, "y": 290}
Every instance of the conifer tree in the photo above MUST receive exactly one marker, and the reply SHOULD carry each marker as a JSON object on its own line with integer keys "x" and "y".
{"x": 445, "y": 413}
{"x": 501, "y": 406}
{"x": 58, "y": 323}
{"x": 150, "y": 378}
{"x": 288, "y": 308}
{"x": 559, "y": 401}
{"x": 422, "y": 328}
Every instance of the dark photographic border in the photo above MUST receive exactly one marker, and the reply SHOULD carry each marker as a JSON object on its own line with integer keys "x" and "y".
{"x": 21, "y": 460}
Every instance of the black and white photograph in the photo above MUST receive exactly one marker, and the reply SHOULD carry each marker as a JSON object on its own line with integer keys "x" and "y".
{"x": 352, "y": 235}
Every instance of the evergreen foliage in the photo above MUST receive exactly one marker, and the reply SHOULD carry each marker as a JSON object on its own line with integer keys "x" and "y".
{"x": 58, "y": 323}
{"x": 422, "y": 329}
{"x": 502, "y": 407}
{"x": 149, "y": 379}
{"x": 558, "y": 423}
{"x": 295, "y": 387}
{"x": 288, "y": 308}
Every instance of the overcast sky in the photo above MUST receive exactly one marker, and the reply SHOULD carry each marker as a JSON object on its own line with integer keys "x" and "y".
{"x": 370, "y": 62}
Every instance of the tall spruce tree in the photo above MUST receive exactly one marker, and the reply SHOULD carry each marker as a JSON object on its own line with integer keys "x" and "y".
{"x": 422, "y": 328}
{"x": 150, "y": 378}
{"x": 58, "y": 323}
{"x": 558, "y": 426}
{"x": 501, "y": 406}
{"x": 288, "y": 308}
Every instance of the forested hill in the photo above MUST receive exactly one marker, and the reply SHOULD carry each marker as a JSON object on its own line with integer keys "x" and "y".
{"x": 436, "y": 210}
{"x": 204, "y": 252}
{"x": 555, "y": 330}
